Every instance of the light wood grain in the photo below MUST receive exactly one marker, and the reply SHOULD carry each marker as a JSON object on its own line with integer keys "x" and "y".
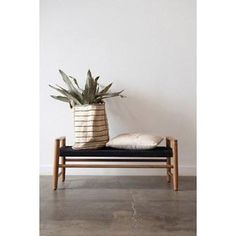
{"x": 63, "y": 159}
{"x": 56, "y": 163}
{"x": 114, "y": 166}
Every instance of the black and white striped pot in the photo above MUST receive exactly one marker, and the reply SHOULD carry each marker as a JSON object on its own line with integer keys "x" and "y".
{"x": 90, "y": 126}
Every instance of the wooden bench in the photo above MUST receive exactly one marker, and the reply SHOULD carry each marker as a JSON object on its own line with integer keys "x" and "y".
{"x": 166, "y": 155}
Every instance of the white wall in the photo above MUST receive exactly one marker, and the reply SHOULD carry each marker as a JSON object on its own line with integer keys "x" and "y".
{"x": 145, "y": 47}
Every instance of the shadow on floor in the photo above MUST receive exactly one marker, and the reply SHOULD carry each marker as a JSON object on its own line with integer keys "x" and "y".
{"x": 186, "y": 183}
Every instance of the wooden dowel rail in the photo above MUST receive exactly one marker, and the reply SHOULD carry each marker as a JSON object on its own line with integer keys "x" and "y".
{"x": 114, "y": 160}
{"x": 113, "y": 166}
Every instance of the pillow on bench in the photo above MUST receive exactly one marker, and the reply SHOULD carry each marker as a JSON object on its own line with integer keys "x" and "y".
{"x": 135, "y": 141}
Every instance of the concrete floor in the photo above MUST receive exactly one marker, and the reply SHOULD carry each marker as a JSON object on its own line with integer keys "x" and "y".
{"x": 117, "y": 205}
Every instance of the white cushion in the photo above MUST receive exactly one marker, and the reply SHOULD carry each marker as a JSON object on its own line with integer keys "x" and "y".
{"x": 135, "y": 141}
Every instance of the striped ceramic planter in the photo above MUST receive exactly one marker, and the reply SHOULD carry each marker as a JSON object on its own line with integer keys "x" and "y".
{"x": 90, "y": 126}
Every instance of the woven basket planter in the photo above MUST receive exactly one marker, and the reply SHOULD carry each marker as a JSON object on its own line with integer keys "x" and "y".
{"x": 90, "y": 126}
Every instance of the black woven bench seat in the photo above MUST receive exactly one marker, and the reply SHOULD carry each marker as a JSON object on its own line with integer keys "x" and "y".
{"x": 68, "y": 151}
{"x": 164, "y": 157}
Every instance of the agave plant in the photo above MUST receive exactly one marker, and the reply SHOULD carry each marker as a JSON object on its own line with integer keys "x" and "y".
{"x": 93, "y": 92}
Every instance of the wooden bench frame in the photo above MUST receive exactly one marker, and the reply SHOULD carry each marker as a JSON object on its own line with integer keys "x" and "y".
{"x": 169, "y": 163}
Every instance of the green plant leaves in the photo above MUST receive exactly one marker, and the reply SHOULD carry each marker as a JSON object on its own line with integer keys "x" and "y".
{"x": 75, "y": 92}
{"x": 66, "y": 93}
{"x": 91, "y": 93}
{"x": 68, "y": 81}
{"x": 61, "y": 98}
{"x": 106, "y": 88}
{"x": 90, "y": 88}
{"x": 76, "y": 83}
{"x": 102, "y": 96}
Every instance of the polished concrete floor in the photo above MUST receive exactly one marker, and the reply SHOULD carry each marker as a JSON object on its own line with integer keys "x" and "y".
{"x": 117, "y": 205}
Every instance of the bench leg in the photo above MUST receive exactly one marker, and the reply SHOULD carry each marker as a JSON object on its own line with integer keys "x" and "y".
{"x": 175, "y": 166}
{"x": 63, "y": 144}
{"x": 63, "y": 169}
{"x": 168, "y": 170}
{"x": 56, "y": 164}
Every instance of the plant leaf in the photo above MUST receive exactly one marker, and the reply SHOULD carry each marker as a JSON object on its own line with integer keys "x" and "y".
{"x": 76, "y": 94}
{"x": 65, "y": 93}
{"x": 68, "y": 82}
{"x": 89, "y": 74}
{"x": 106, "y": 88}
{"x": 61, "y": 98}
{"x": 110, "y": 94}
{"x": 100, "y": 97}
{"x": 76, "y": 97}
{"x": 76, "y": 83}
{"x": 90, "y": 88}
